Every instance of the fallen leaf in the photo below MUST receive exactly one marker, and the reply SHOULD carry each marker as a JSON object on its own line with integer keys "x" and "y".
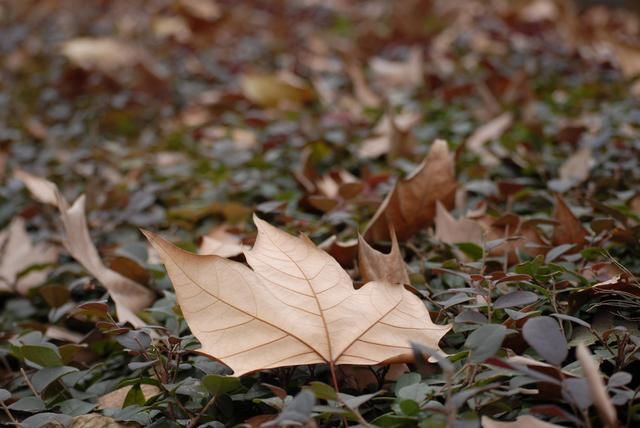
{"x": 411, "y": 204}
{"x": 490, "y": 131}
{"x": 18, "y": 253}
{"x": 219, "y": 242}
{"x": 568, "y": 230}
{"x": 270, "y": 90}
{"x": 399, "y": 73}
{"x": 116, "y": 398}
{"x": 96, "y": 420}
{"x": 392, "y": 136}
{"x": 297, "y": 306}
{"x": 128, "y": 296}
{"x": 377, "y": 266}
{"x": 207, "y": 10}
{"x": 597, "y": 388}
{"x": 516, "y": 234}
{"x": 104, "y": 54}
{"x": 172, "y": 27}
{"x": 43, "y": 190}
{"x": 576, "y": 168}
{"x": 628, "y": 58}
{"x": 524, "y": 421}
{"x": 344, "y": 252}
{"x": 452, "y": 231}
{"x": 362, "y": 92}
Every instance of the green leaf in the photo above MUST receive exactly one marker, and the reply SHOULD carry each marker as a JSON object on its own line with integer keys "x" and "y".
{"x": 470, "y": 249}
{"x": 135, "y": 396}
{"x": 43, "y": 355}
{"x": 406, "y": 380}
{"x": 46, "y": 376}
{"x": 75, "y": 407}
{"x": 485, "y": 341}
{"x": 218, "y": 384}
{"x": 323, "y": 391}
{"x": 28, "y": 404}
{"x": 409, "y": 407}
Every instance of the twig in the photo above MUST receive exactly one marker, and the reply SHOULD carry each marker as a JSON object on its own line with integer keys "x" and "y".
{"x": 196, "y": 418}
{"x": 29, "y": 384}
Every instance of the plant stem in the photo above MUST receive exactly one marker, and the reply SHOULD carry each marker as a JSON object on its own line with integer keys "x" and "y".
{"x": 9, "y": 414}
{"x": 29, "y": 384}
{"x": 196, "y": 418}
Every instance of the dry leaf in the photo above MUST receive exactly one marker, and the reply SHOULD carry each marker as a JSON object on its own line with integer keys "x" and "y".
{"x": 96, "y": 420}
{"x": 411, "y": 205}
{"x": 377, "y": 266}
{"x": 105, "y": 54}
{"x": 127, "y": 295}
{"x": 43, "y": 190}
{"x": 400, "y": 73}
{"x": 363, "y": 93}
{"x": 517, "y": 235}
{"x": 597, "y": 388}
{"x": 523, "y": 421}
{"x": 628, "y": 58}
{"x": 576, "y": 168}
{"x": 297, "y": 306}
{"x": 18, "y": 253}
{"x": 207, "y": 10}
{"x": 172, "y": 27}
{"x": 344, "y": 252}
{"x": 219, "y": 242}
{"x": 569, "y": 230}
{"x": 392, "y": 135}
{"x": 116, "y": 398}
{"x": 452, "y": 231}
{"x": 270, "y": 90}
{"x": 490, "y": 131}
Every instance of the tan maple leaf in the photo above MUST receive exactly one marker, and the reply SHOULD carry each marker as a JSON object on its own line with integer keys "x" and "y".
{"x": 411, "y": 205}
{"x": 297, "y": 306}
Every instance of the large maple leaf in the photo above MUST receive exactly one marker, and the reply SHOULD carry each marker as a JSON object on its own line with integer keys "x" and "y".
{"x": 297, "y": 306}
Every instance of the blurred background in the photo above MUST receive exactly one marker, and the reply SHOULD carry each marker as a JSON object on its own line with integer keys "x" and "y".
{"x": 180, "y": 111}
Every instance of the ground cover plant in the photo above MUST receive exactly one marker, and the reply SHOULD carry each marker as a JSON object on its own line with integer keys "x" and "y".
{"x": 346, "y": 213}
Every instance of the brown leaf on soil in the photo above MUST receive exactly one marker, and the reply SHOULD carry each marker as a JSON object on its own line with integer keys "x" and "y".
{"x": 42, "y": 190}
{"x": 569, "y": 230}
{"x": 517, "y": 234}
{"x": 411, "y": 204}
{"x": 105, "y": 54}
{"x": 219, "y": 242}
{"x": 399, "y": 73}
{"x": 362, "y": 92}
{"x": 523, "y": 421}
{"x": 597, "y": 388}
{"x": 344, "y": 252}
{"x": 128, "y": 295}
{"x": 455, "y": 231}
{"x": 270, "y": 90}
{"x": 377, "y": 266}
{"x": 116, "y": 398}
{"x": 576, "y": 168}
{"x": 297, "y": 306}
{"x": 490, "y": 131}
{"x": 18, "y": 253}
{"x": 391, "y": 136}
{"x": 96, "y": 420}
